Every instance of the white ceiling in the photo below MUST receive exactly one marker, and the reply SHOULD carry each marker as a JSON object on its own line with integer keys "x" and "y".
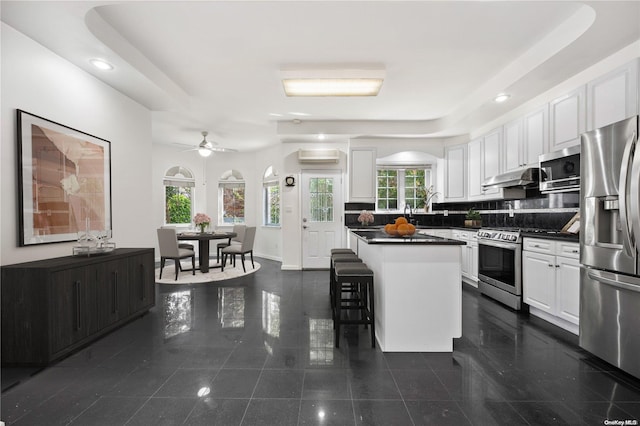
{"x": 214, "y": 65}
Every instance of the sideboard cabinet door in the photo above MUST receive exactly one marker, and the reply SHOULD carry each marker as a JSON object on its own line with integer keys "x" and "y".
{"x": 53, "y": 307}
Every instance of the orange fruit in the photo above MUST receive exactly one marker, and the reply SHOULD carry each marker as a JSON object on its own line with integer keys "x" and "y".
{"x": 390, "y": 229}
{"x": 412, "y": 228}
{"x": 401, "y": 220}
{"x": 404, "y": 229}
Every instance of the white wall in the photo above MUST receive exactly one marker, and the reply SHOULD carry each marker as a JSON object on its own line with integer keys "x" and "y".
{"x": 40, "y": 82}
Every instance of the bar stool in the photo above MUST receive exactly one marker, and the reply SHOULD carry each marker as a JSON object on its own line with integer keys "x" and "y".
{"x": 341, "y": 251}
{"x": 356, "y": 279}
{"x": 338, "y": 258}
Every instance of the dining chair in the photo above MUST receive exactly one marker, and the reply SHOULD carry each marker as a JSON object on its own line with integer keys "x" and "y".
{"x": 180, "y": 244}
{"x": 169, "y": 249}
{"x": 239, "y": 231}
{"x": 243, "y": 248}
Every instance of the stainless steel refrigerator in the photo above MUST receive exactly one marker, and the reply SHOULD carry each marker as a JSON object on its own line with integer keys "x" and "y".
{"x": 609, "y": 244}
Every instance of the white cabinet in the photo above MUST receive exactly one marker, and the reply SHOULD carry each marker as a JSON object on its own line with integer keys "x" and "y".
{"x": 474, "y": 166}
{"x": 613, "y": 97}
{"x": 551, "y": 281}
{"x": 513, "y": 145}
{"x": 524, "y": 140}
{"x": 536, "y": 134}
{"x": 484, "y": 162}
{"x": 362, "y": 175}
{"x": 469, "y": 255}
{"x": 491, "y": 158}
{"x": 456, "y": 173}
{"x": 567, "y": 119}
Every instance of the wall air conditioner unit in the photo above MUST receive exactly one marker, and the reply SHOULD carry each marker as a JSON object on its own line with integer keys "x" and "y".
{"x": 318, "y": 155}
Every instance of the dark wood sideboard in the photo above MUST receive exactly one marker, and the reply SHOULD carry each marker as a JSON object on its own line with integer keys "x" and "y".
{"x": 53, "y": 307}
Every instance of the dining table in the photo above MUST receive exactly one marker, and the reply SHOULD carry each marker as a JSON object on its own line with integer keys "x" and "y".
{"x": 203, "y": 239}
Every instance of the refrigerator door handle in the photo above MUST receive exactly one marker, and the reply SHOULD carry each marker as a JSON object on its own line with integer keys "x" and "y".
{"x": 628, "y": 243}
{"x": 615, "y": 280}
{"x": 634, "y": 197}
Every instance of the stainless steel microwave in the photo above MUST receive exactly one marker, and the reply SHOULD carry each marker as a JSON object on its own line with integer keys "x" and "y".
{"x": 560, "y": 171}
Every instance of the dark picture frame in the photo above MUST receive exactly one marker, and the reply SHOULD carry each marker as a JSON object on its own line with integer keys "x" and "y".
{"x": 64, "y": 182}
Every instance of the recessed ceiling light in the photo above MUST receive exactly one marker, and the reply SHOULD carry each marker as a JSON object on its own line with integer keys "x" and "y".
{"x": 275, "y": 114}
{"x": 321, "y": 136}
{"x": 501, "y": 97}
{"x": 300, "y": 114}
{"x": 332, "y": 82}
{"x": 101, "y": 64}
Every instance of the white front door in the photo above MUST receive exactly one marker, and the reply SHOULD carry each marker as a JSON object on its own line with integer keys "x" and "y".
{"x": 322, "y": 216}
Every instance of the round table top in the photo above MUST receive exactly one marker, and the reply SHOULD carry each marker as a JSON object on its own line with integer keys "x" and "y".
{"x": 205, "y": 235}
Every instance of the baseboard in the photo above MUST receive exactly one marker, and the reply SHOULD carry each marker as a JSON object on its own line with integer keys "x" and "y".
{"x": 566, "y": 325}
{"x": 291, "y": 268}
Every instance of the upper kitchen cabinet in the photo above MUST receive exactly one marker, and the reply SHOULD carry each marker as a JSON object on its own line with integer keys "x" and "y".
{"x": 513, "y": 145}
{"x": 484, "y": 162}
{"x": 536, "y": 134}
{"x": 613, "y": 97}
{"x": 455, "y": 173}
{"x": 567, "y": 119}
{"x": 362, "y": 175}
{"x": 474, "y": 168}
{"x": 491, "y": 157}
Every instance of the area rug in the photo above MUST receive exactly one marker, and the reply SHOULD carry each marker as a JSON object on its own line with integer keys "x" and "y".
{"x": 214, "y": 274}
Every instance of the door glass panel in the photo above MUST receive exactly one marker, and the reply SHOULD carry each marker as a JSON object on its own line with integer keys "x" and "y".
{"x": 321, "y": 199}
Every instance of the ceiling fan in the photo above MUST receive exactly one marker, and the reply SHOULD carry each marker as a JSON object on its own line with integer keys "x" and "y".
{"x": 206, "y": 148}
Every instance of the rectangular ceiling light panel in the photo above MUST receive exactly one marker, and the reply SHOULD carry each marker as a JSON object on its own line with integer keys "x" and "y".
{"x": 336, "y": 82}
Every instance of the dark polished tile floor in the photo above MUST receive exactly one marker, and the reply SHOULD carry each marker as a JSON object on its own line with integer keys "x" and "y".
{"x": 259, "y": 351}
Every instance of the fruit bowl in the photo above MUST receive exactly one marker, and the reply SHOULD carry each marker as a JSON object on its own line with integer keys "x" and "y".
{"x": 401, "y": 227}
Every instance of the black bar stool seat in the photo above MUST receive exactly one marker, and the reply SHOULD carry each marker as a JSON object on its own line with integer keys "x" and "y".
{"x": 338, "y": 258}
{"x": 355, "y": 280}
{"x": 341, "y": 251}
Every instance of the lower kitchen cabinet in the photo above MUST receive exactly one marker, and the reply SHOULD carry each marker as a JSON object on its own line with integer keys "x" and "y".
{"x": 551, "y": 281}
{"x": 469, "y": 255}
{"x": 52, "y": 307}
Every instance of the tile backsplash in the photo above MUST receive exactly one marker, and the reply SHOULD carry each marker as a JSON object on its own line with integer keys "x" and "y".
{"x": 549, "y": 212}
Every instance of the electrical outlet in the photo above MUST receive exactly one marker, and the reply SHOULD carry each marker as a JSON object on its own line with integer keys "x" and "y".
{"x": 446, "y": 213}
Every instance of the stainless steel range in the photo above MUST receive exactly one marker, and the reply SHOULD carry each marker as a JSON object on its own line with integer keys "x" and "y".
{"x": 500, "y": 265}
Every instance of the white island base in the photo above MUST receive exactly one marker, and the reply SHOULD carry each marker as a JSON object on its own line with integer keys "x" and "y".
{"x": 418, "y": 295}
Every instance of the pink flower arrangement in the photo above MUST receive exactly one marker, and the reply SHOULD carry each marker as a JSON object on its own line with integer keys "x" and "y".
{"x": 365, "y": 217}
{"x": 201, "y": 220}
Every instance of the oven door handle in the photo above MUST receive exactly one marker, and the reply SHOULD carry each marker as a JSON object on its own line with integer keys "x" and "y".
{"x": 499, "y": 244}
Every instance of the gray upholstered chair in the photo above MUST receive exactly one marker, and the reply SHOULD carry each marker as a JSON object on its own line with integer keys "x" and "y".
{"x": 239, "y": 231}
{"x": 180, "y": 245}
{"x": 168, "y": 242}
{"x": 243, "y": 248}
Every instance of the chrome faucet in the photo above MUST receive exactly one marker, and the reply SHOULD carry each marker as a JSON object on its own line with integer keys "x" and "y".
{"x": 408, "y": 205}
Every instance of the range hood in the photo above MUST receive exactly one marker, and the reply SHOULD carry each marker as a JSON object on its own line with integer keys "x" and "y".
{"x": 516, "y": 178}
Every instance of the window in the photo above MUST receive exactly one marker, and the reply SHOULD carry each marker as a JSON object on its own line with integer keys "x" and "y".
{"x": 178, "y": 196}
{"x": 321, "y": 193}
{"x": 231, "y": 198}
{"x": 397, "y": 187}
{"x": 387, "y": 189}
{"x": 270, "y": 198}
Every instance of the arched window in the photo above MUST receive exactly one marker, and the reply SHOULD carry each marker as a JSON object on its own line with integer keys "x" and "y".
{"x": 178, "y": 196}
{"x": 270, "y": 198}
{"x": 231, "y": 198}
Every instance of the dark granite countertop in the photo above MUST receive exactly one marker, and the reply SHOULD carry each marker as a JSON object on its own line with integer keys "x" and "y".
{"x": 552, "y": 235}
{"x": 381, "y": 237}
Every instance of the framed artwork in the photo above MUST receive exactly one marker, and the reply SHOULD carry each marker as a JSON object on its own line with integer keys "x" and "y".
{"x": 64, "y": 182}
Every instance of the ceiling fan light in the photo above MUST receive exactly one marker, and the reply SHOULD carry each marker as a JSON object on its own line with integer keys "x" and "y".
{"x": 204, "y": 150}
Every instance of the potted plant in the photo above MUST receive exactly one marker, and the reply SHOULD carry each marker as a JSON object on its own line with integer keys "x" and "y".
{"x": 473, "y": 218}
{"x": 426, "y": 195}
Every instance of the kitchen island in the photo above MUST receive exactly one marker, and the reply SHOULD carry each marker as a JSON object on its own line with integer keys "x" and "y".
{"x": 418, "y": 290}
